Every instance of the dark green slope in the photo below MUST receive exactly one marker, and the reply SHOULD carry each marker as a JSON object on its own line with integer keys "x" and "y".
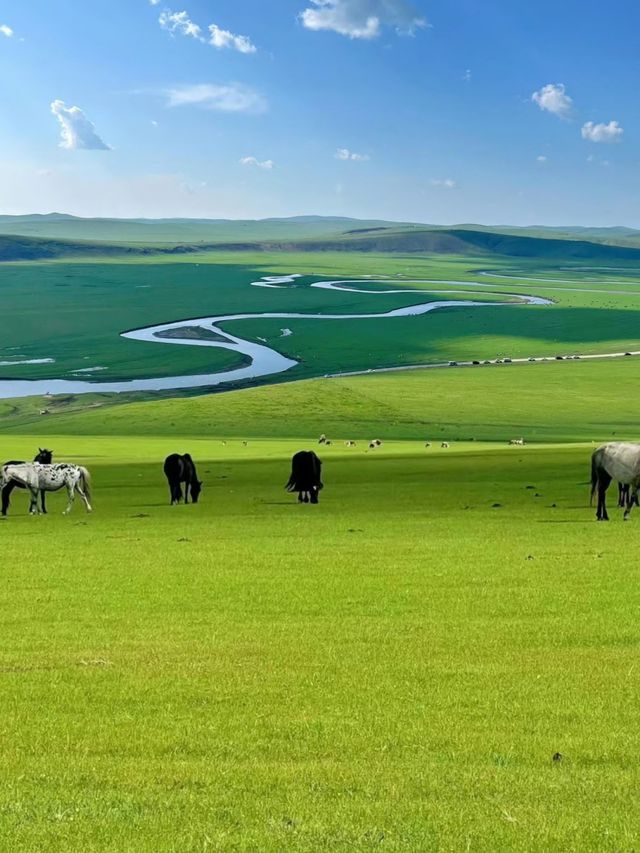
{"x": 376, "y": 239}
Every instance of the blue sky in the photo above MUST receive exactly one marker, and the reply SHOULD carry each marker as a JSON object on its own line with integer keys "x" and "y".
{"x": 437, "y": 111}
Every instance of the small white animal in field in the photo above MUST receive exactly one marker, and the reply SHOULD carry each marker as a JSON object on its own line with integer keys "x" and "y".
{"x": 445, "y": 444}
{"x": 517, "y": 442}
{"x": 350, "y": 444}
{"x": 428, "y": 444}
{"x": 322, "y": 439}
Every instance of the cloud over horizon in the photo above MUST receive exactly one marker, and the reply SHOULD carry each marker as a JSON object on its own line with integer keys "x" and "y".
{"x": 362, "y": 19}
{"x": 6, "y": 30}
{"x": 77, "y": 132}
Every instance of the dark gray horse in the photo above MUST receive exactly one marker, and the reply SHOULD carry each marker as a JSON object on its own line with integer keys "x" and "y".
{"x": 45, "y": 457}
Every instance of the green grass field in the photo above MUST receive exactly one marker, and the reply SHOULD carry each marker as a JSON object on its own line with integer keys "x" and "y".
{"x": 392, "y": 669}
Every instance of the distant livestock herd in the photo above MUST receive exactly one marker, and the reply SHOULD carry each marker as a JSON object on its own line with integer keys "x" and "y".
{"x": 615, "y": 461}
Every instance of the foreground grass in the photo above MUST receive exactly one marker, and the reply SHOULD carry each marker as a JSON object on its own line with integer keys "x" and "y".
{"x": 394, "y": 668}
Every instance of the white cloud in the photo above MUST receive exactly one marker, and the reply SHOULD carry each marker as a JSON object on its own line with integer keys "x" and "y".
{"x": 6, "y": 30}
{"x": 223, "y": 38}
{"x": 229, "y": 98}
{"x": 445, "y": 183}
{"x": 345, "y": 154}
{"x": 154, "y": 2}
{"x": 76, "y": 129}
{"x": 261, "y": 164}
{"x": 542, "y": 158}
{"x": 602, "y": 132}
{"x": 362, "y": 19}
{"x": 181, "y": 23}
{"x": 553, "y": 99}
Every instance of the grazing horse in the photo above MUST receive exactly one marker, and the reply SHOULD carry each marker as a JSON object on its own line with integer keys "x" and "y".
{"x": 181, "y": 469}
{"x": 305, "y": 479}
{"x": 43, "y": 456}
{"x": 49, "y": 478}
{"x": 618, "y": 461}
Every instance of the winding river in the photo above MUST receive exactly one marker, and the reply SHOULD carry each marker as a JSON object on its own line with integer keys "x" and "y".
{"x": 264, "y": 360}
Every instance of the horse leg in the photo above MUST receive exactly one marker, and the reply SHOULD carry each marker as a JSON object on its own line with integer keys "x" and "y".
{"x": 632, "y": 498}
{"x": 33, "y": 501}
{"x": 6, "y": 493}
{"x": 71, "y": 497}
{"x": 80, "y": 491}
{"x": 314, "y": 496}
{"x": 43, "y": 501}
{"x": 186, "y": 492}
{"x": 604, "y": 481}
{"x": 623, "y": 495}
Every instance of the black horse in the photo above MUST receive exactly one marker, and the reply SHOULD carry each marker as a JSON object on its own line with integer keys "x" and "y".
{"x": 305, "y": 479}
{"x": 45, "y": 457}
{"x": 181, "y": 469}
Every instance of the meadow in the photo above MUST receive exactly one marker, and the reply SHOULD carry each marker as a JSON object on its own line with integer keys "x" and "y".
{"x": 395, "y": 668}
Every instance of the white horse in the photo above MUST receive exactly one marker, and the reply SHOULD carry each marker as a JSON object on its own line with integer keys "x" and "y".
{"x": 49, "y": 478}
{"x": 618, "y": 461}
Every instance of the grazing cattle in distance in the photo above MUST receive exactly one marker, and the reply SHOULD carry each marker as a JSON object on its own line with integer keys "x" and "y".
{"x": 49, "y": 478}
{"x": 45, "y": 457}
{"x": 428, "y": 444}
{"x": 445, "y": 445}
{"x": 181, "y": 469}
{"x": 517, "y": 442}
{"x": 618, "y": 461}
{"x": 306, "y": 476}
{"x": 322, "y": 439}
{"x": 350, "y": 444}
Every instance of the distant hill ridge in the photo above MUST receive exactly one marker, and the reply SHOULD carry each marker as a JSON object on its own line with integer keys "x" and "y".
{"x": 376, "y": 239}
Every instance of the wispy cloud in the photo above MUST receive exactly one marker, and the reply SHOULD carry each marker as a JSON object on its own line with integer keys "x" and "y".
{"x": 362, "y": 19}
{"x": 179, "y": 23}
{"x": 542, "y": 158}
{"x": 444, "y": 183}
{"x": 76, "y": 130}
{"x": 345, "y": 154}
{"x": 229, "y": 98}
{"x": 267, "y": 165}
{"x": 553, "y": 98}
{"x": 611, "y": 132}
{"x": 6, "y": 30}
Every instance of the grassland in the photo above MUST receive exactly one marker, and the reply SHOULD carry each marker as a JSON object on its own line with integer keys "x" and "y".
{"x": 393, "y": 669}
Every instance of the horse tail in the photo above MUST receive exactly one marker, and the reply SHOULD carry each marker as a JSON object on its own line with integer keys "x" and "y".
{"x": 85, "y": 478}
{"x": 594, "y": 476}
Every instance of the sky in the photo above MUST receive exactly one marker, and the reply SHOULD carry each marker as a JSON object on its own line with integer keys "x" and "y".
{"x": 435, "y": 111}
